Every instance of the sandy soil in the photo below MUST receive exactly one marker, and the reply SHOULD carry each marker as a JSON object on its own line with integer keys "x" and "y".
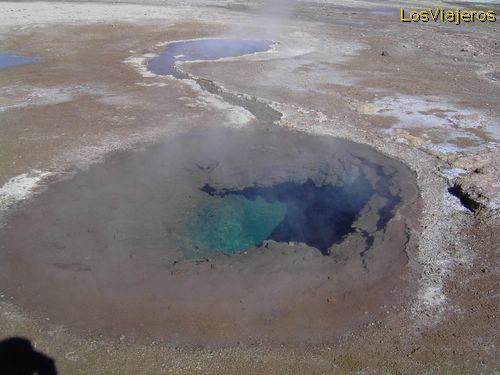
{"x": 423, "y": 94}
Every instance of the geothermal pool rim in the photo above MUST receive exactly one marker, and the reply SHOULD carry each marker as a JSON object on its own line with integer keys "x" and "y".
{"x": 134, "y": 272}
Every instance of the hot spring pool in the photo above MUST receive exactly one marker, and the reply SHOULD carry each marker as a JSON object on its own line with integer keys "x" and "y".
{"x": 213, "y": 236}
{"x": 229, "y": 221}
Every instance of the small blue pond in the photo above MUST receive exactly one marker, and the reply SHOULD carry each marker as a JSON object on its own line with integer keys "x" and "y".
{"x": 203, "y": 49}
{"x": 230, "y": 221}
{"x": 9, "y": 60}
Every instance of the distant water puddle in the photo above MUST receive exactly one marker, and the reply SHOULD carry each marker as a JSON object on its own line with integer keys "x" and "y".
{"x": 9, "y": 60}
{"x": 229, "y": 221}
{"x": 203, "y": 49}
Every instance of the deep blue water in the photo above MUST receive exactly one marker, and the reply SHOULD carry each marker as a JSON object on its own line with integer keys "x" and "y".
{"x": 203, "y": 49}
{"x": 8, "y": 60}
{"x": 318, "y": 216}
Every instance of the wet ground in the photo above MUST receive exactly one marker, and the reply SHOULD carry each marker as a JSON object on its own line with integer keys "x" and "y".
{"x": 420, "y": 299}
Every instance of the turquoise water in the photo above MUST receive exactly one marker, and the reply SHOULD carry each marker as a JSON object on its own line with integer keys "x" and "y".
{"x": 231, "y": 223}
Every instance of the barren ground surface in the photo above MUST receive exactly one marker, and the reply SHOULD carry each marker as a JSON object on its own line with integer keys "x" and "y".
{"x": 426, "y": 95}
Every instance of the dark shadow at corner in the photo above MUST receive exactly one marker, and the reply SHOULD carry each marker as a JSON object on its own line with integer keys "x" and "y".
{"x": 18, "y": 357}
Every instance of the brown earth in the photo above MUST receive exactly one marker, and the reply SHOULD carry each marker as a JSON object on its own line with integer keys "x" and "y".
{"x": 339, "y": 68}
